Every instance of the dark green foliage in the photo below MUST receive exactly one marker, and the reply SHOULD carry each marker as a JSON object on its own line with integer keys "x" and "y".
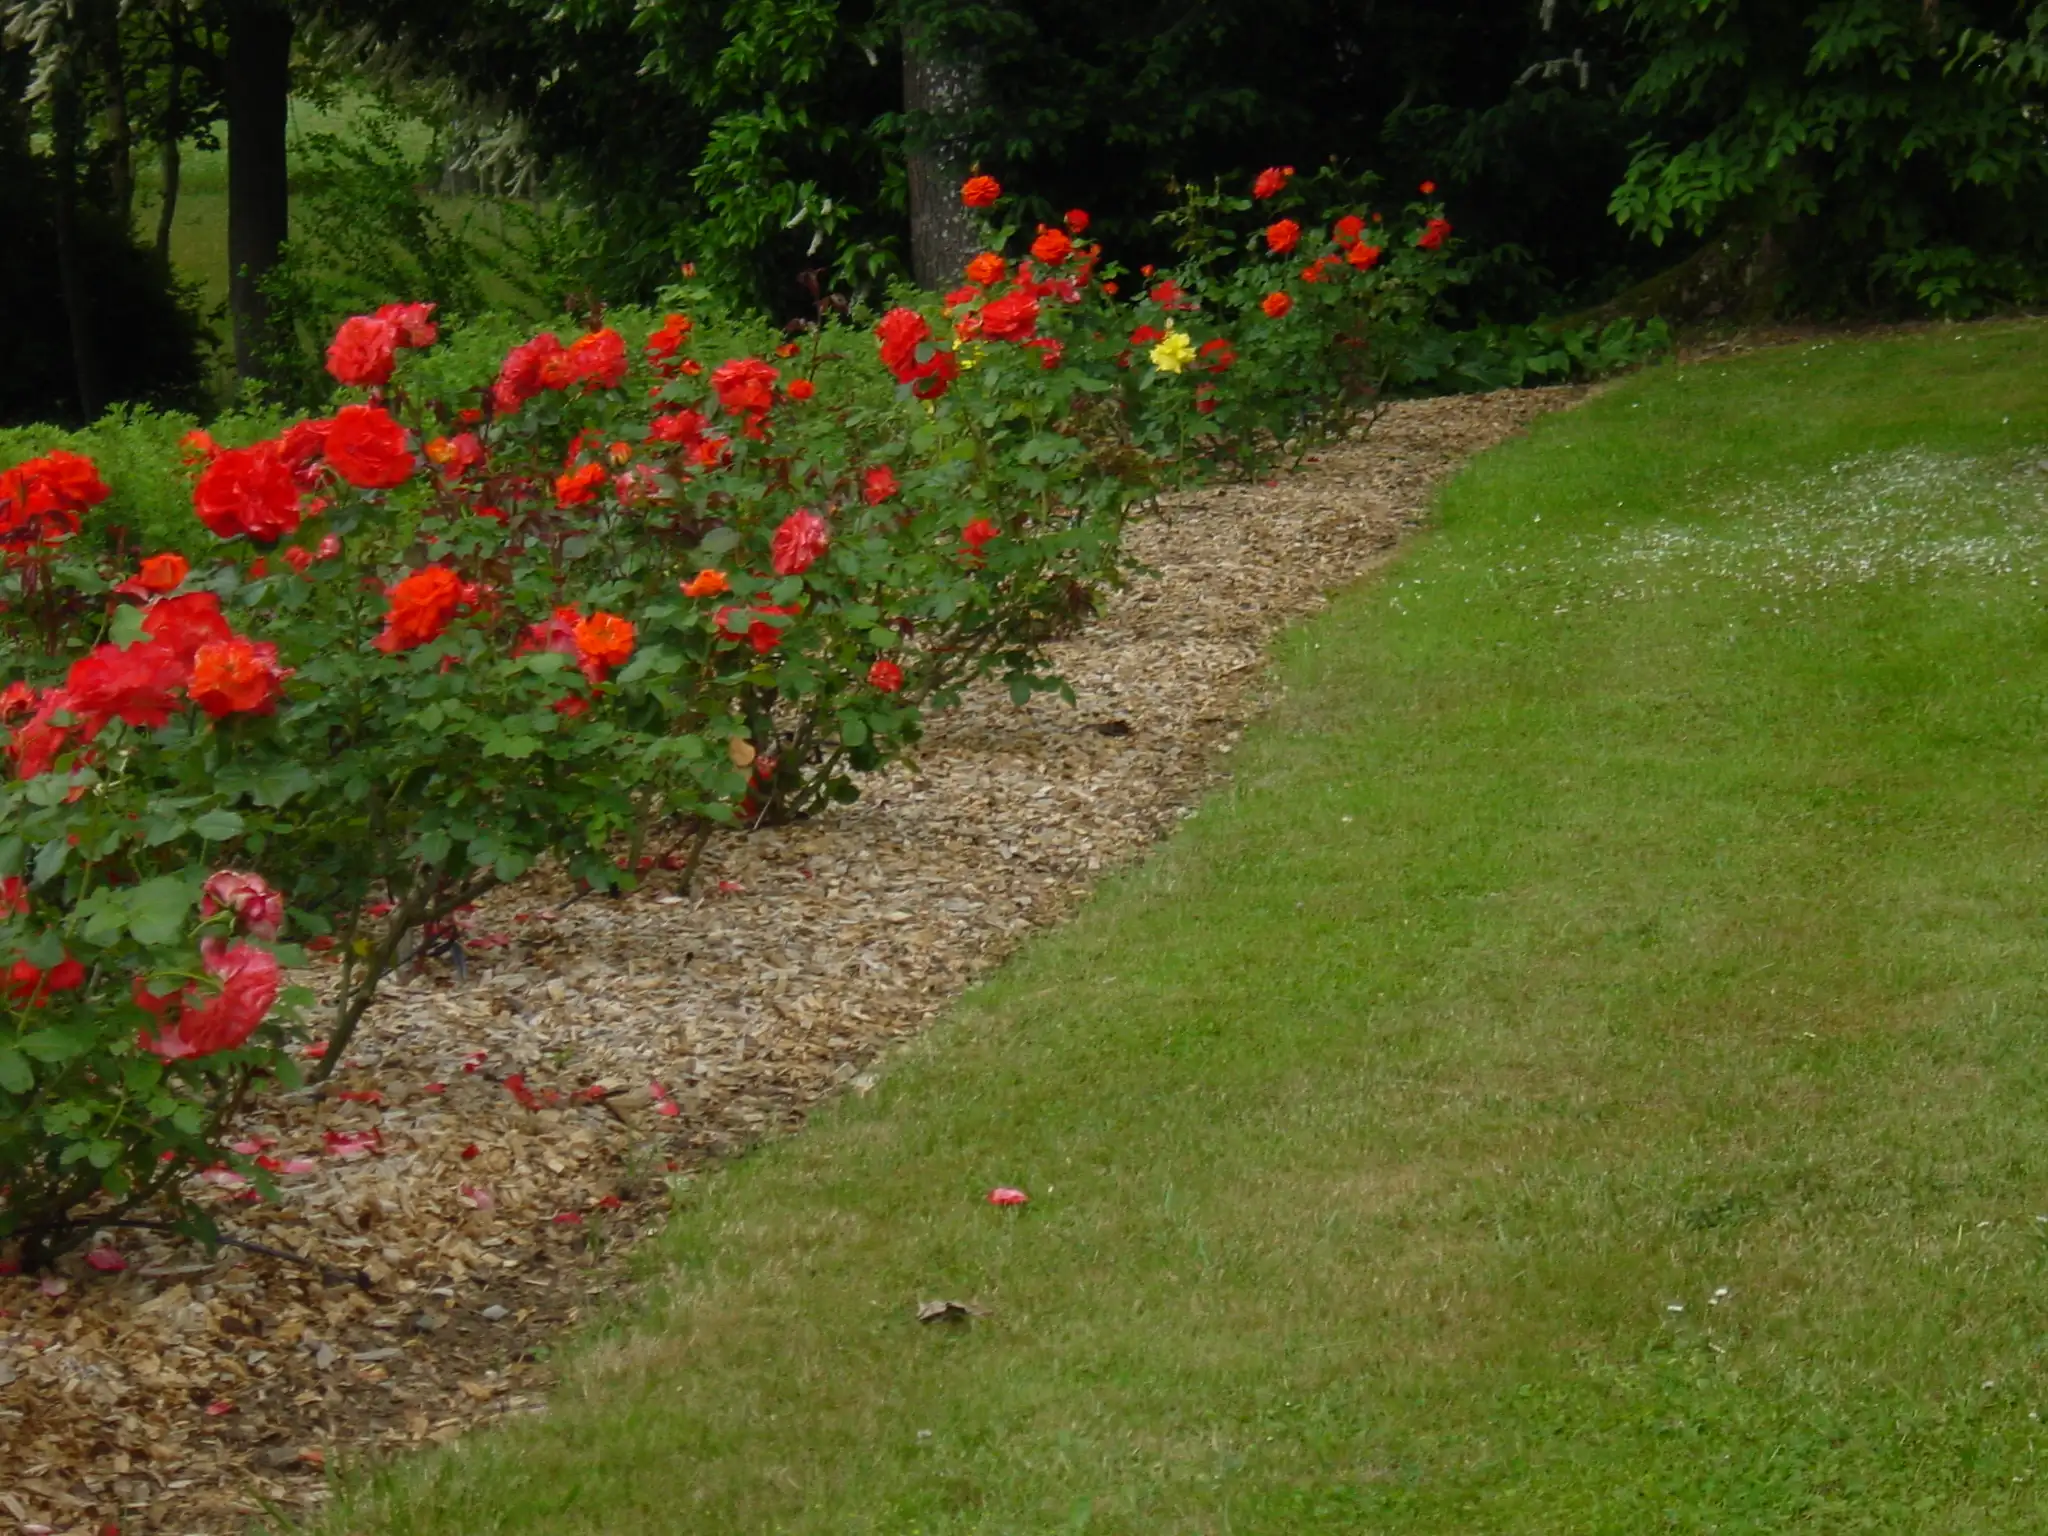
{"x": 146, "y": 339}
{"x": 1888, "y": 149}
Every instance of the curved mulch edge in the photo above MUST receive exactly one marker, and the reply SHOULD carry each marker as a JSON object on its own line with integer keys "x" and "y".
{"x": 185, "y": 1394}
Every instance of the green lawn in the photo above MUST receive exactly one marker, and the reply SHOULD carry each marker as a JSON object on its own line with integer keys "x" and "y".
{"x": 1585, "y": 1074}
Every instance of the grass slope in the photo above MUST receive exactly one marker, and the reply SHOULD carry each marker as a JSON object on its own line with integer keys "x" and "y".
{"x": 1635, "y": 906}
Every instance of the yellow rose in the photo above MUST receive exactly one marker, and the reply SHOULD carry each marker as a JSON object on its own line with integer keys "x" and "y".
{"x": 1174, "y": 353}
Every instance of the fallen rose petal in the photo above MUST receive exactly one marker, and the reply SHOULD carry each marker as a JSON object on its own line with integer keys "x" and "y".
{"x": 360, "y": 1096}
{"x": 474, "y": 1195}
{"x": 107, "y": 1261}
{"x": 222, "y": 1178}
{"x": 609, "y": 1203}
{"x": 299, "y": 1165}
{"x": 250, "y": 1146}
{"x": 469, "y": 1151}
{"x": 317, "y": 1051}
{"x": 350, "y": 1145}
{"x": 668, "y": 1107}
{"x": 436, "y": 1089}
{"x": 219, "y": 1408}
{"x": 1008, "y": 1196}
{"x": 568, "y": 1218}
{"x": 54, "y": 1286}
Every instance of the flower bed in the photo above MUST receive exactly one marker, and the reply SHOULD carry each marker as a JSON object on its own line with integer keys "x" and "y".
{"x": 804, "y": 950}
{"x": 565, "y": 602}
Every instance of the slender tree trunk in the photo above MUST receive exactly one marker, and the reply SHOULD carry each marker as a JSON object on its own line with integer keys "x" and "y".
{"x": 106, "y": 30}
{"x": 65, "y": 135}
{"x": 259, "y": 211}
{"x": 942, "y": 233}
{"x": 170, "y": 155}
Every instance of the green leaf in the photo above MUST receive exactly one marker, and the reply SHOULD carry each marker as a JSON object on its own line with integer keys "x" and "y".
{"x": 278, "y": 785}
{"x": 853, "y": 730}
{"x": 50, "y": 857}
{"x": 218, "y": 826}
{"x": 503, "y": 744}
{"x": 127, "y": 627}
{"x": 15, "y": 1075}
{"x": 159, "y": 909}
{"x": 55, "y": 1045}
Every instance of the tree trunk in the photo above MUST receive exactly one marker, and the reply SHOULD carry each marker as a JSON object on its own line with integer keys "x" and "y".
{"x": 170, "y": 155}
{"x": 259, "y": 211}
{"x": 942, "y": 233}
{"x": 106, "y": 30}
{"x": 65, "y": 134}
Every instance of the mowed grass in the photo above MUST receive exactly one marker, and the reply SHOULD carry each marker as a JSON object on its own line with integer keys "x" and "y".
{"x": 1587, "y": 1072}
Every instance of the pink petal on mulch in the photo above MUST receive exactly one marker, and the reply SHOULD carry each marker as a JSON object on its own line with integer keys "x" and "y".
{"x": 220, "y": 1407}
{"x": 107, "y": 1261}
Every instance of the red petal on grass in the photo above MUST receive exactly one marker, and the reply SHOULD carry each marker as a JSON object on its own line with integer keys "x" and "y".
{"x": 1008, "y": 1196}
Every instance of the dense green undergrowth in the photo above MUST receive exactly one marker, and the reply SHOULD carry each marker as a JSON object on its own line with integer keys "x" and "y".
{"x": 1582, "y": 1072}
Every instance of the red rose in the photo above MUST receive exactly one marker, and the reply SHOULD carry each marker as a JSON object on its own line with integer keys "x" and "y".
{"x": 237, "y": 677}
{"x": 1348, "y": 230}
{"x": 759, "y": 633}
{"x": 885, "y": 676}
{"x": 1218, "y": 356}
{"x": 1050, "y": 350}
{"x": 1052, "y": 246}
{"x": 663, "y": 345}
{"x": 414, "y": 323}
{"x": 986, "y": 269}
{"x": 1077, "y": 220}
{"x": 745, "y": 386}
{"x": 975, "y": 537}
{"x": 257, "y": 908}
{"x": 1433, "y": 235}
{"x": 41, "y": 499}
{"x": 596, "y": 361}
{"x": 802, "y": 389}
{"x": 249, "y": 979}
{"x": 249, "y": 491}
{"x": 603, "y": 640}
{"x": 456, "y": 456}
{"x": 158, "y": 574}
{"x": 1276, "y": 304}
{"x": 185, "y": 623}
{"x": 800, "y": 540}
{"x": 1362, "y": 256}
{"x": 901, "y": 332}
{"x": 1011, "y": 318}
{"x": 138, "y": 685}
{"x": 519, "y": 379}
{"x": 1272, "y": 181}
{"x": 363, "y": 351}
{"x": 1283, "y": 236}
{"x": 1427, "y": 189}
{"x": 980, "y": 191}
{"x": 422, "y": 606}
{"x": 579, "y": 485}
{"x": 367, "y": 448}
{"x": 35, "y": 746}
{"x": 878, "y": 485}
{"x": 682, "y": 427}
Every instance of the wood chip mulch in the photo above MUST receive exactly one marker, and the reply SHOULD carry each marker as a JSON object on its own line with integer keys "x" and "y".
{"x": 462, "y": 1184}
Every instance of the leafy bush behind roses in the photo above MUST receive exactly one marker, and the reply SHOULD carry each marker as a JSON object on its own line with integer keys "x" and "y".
{"x": 522, "y": 598}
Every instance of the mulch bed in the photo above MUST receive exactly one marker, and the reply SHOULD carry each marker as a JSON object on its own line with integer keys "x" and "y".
{"x": 460, "y": 1187}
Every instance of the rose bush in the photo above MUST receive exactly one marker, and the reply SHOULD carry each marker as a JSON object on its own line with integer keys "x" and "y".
{"x": 535, "y": 597}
